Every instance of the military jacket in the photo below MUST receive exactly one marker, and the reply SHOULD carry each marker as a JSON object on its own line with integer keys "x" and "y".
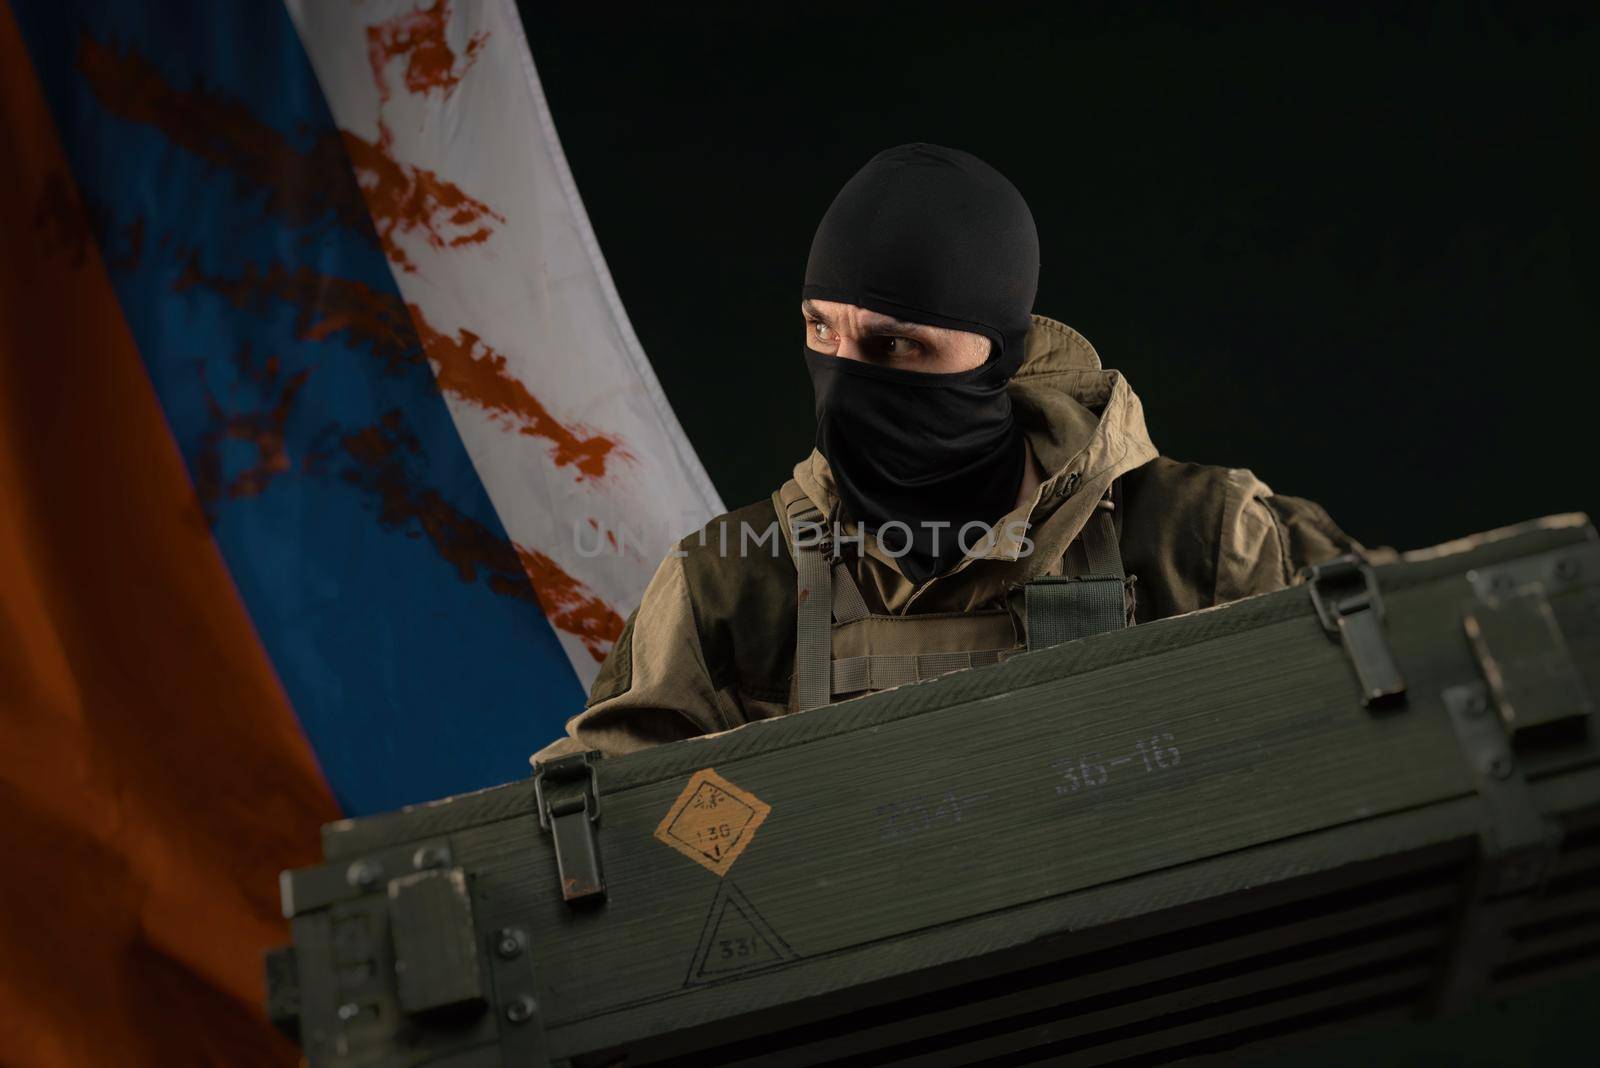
{"x": 712, "y": 644}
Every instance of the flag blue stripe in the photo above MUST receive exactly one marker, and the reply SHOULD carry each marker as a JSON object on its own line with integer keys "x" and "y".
{"x": 353, "y": 522}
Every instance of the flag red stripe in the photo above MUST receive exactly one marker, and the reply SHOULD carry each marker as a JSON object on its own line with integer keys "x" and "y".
{"x": 154, "y": 779}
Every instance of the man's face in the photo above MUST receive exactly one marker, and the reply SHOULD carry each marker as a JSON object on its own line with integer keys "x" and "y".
{"x": 854, "y": 333}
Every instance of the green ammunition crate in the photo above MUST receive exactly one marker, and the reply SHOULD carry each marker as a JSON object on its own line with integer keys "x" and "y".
{"x": 1374, "y": 795}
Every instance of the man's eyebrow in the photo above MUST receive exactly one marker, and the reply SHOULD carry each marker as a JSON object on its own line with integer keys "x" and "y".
{"x": 878, "y": 326}
{"x": 882, "y": 324}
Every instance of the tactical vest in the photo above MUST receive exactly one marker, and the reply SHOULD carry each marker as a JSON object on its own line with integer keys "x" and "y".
{"x": 842, "y": 649}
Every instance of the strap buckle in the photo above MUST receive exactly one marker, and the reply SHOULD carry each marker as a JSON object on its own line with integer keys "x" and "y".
{"x": 570, "y": 817}
{"x": 1349, "y": 605}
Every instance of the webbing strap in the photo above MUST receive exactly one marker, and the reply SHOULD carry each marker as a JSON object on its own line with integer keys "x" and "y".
{"x": 1065, "y": 609}
{"x": 813, "y": 648}
{"x": 848, "y": 604}
{"x": 1100, "y": 543}
{"x": 852, "y": 674}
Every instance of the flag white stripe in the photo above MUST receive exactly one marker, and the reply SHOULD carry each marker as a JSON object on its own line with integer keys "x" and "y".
{"x": 566, "y": 423}
{"x": 710, "y": 501}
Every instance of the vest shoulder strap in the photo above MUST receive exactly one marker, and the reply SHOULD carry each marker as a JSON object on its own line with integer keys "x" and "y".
{"x": 810, "y": 548}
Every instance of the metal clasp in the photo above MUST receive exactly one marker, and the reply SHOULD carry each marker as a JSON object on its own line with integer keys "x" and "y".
{"x": 1345, "y": 594}
{"x": 571, "y": 816}
{"x": 1526, "y": 662}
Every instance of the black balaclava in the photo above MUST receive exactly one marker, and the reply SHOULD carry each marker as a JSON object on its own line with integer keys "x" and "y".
{"x": 927, "y": 235}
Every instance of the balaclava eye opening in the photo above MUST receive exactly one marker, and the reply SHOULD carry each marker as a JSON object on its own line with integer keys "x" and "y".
{"x": 928, "y": 235}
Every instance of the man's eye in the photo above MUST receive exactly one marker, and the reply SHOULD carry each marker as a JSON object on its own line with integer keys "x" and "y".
{"x": 821, "y": 330}
{"x": 899, "y": 346}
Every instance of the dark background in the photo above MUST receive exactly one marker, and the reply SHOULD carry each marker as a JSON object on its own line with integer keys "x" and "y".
{"x": 1351, "y": 251}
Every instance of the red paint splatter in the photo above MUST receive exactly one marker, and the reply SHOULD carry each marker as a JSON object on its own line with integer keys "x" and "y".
{"x": 405, "y": 199}
{"x": 59, "y": 211}
{"x": 419, "y": 38}
{"x": 296, "y": 182}
{"x": 570, "y": 606}
{"x": 379, "y": 454}
{"x": 399, "y": 335}
{"x": 324, "y": 306}
{"x": 471, "y": 370}
{"x": 594, "y": 525}
{"x": 262, "y": 428}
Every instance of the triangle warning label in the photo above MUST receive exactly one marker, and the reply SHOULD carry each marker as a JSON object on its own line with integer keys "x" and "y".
{"x": 735, "y": 940}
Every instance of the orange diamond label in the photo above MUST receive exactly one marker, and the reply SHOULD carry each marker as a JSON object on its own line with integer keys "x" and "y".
{"x": 712, "y": 821}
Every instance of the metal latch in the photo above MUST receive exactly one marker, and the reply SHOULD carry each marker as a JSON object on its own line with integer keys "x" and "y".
{"x": 1525, "y": 660}
{"x": 1345, "y": 594}
{"x": 568, "y": 801}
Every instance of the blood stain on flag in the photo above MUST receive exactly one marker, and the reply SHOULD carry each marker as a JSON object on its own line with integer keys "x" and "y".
{"x": 406, "y": 199}
{"x": 324, "y": 306}
{"x": 225, "y": 133}
{"x": 471, "y": 370}
{"x": 419, "y": 36}
{"x": 464, "y": 365}
{"x": 570, "y": 606}
{"x": 378, "y": 466}
{"x": 260, "y": 428}
{"x": 611, "y": 536}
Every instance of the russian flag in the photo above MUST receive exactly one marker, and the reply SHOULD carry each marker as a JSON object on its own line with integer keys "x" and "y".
{"x": 320, "y": 418}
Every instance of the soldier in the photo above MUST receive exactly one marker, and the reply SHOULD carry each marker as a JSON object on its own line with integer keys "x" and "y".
{"x": 980, "y": 486}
